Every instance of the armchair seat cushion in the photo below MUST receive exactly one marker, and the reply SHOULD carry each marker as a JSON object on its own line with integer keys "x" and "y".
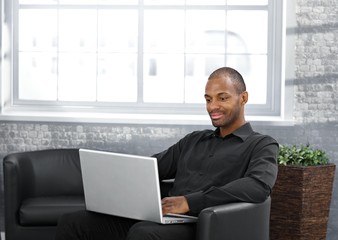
{"x": 45, "y": 211}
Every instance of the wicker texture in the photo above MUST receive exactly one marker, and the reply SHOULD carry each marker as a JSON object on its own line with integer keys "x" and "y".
{"x": 300, "y": 202}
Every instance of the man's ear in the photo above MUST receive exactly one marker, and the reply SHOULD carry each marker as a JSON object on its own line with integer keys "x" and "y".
{"x": 244, "y": 97}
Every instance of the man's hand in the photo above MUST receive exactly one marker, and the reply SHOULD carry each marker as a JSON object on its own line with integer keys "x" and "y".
{"x": 175, "y": 205}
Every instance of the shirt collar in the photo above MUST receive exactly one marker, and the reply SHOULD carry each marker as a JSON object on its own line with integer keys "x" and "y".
{"x": 242, "y": 132}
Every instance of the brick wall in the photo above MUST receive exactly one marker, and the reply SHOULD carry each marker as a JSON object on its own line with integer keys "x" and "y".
{"x": 141, "y": 139}
{"x": 315, "y": 106}
{"x": 316, "y": 61}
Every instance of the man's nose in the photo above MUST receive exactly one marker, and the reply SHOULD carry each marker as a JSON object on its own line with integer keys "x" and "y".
{"x": 213, "y": 105}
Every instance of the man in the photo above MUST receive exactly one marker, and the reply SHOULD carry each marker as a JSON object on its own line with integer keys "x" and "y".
{"x": 230, "y": 164}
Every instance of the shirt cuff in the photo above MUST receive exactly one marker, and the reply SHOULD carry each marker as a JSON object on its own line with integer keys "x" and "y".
{"x": 195, "y": 201}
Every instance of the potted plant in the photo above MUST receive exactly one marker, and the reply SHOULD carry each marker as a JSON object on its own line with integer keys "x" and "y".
{"x": 302, "y": 194}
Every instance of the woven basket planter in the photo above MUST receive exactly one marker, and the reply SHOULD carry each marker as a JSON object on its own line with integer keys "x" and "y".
{"x": 300, "y": 203}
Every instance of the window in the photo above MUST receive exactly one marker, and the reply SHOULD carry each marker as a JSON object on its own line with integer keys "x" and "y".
{"x": 144, "y": 56}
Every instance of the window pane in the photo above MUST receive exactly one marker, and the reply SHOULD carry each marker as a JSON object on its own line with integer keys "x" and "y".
{"x": 37, "y": 30}
{"x": 164, "y": 31}
{"x": 198, "y": 69}
{"x": 206, "y": 2}
{"x": 247, "y": 2}
{"x": 254, "y": 71}
{"x": 38, "y": 1}
{"x": 79, "y": 2}
{"x": 205, "y": 31}
{"x": 78, "y": 30}
{"x": 247, "y": 36}
{"x": 163, "y": 78}
{"x": 164, "y": 2}
{"x": 117, "y": 77}
{"x": 240, "y": 62}
{"x": 114, "y": 36}
{"x": 37, "y": 76}
{"x": 117, "y": 2}
{"x": 77, "y": 77}
{"x": 257, "y": 80}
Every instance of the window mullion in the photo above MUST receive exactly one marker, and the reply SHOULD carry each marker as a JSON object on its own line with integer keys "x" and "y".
{"x": 57, "y": 52}
{"x": 140, "y": 49}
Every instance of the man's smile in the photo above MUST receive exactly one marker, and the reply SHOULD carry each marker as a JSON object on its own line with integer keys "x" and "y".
{"x": 216, "y": 115}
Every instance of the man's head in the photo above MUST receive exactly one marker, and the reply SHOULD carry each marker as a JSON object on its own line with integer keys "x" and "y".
{"x": 225, "y": 95}
{"x": 233, "y": 75}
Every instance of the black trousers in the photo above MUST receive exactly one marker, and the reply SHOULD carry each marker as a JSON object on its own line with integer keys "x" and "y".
{"x": 86, "y": 225}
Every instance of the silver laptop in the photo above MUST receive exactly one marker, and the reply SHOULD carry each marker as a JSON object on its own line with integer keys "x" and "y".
{"x": 124, "y": 185}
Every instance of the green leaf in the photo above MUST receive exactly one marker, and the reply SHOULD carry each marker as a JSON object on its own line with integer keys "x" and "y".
{"x": 301, "y": 155}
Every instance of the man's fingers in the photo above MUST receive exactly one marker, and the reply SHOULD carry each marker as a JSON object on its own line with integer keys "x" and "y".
{"x": 174, "y": 205}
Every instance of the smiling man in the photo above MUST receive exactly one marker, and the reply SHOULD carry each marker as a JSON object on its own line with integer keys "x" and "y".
{"x": 232, "y": 163}
{"x": 226, "y": 95}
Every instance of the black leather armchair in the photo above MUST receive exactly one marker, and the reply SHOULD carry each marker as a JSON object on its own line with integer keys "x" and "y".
{"x": 40, "y": 186}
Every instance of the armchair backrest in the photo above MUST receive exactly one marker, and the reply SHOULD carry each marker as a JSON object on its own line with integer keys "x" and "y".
{"x": 46, "y": 172}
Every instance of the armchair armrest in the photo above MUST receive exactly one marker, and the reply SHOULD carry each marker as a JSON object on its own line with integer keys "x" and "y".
{"x": 235, "y": 221}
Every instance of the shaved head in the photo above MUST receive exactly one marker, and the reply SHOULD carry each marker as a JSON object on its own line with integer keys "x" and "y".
{"x": 235, "y": 77}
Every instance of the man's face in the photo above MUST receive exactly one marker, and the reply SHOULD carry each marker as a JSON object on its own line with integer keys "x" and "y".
{"x": 224, "y": 105}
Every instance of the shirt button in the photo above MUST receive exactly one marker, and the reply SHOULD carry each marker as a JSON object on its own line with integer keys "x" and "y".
{"x": 200, "y": 173}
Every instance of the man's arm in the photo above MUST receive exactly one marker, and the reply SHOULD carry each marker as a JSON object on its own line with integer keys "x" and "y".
{"x": 241, "y": 190}
{"x": 233, "y": 192}
{"x": 255, "y": 186}
{"x": 168, "y": 159}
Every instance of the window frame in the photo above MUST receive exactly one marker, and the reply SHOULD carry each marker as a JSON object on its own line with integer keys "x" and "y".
{"x": 12, "y": 107}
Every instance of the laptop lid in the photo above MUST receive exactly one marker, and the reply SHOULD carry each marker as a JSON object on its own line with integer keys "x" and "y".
{"x": 123, "y": 185}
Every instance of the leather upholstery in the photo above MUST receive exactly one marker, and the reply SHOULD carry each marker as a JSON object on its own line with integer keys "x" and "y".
{"x": 45, "y": 211}
{"x": 42, "y": 185}
{"x": 235, "y": 221}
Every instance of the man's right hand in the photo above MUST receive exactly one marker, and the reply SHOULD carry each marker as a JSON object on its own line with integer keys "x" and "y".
{"x": 175, "y": 205}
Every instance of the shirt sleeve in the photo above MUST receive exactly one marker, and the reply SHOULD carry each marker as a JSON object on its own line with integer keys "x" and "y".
{"x": 255, "y": 186}
{"x": 167, "y": 160}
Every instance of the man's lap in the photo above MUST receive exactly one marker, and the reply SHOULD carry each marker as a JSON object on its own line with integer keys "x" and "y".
{"x": 149, "y": 230}
{"x": 90, "y": 225}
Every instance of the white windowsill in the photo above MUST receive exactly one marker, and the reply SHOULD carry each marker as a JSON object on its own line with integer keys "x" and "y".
{"x": 95, "y": 117}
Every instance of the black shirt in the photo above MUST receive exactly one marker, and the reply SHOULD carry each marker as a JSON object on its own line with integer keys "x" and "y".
{"x": 210, "y": 170}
